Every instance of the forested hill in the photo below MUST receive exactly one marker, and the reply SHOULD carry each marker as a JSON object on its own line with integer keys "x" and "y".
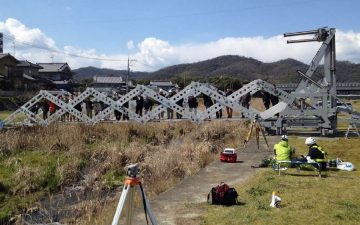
{"x": 246, "y": 69}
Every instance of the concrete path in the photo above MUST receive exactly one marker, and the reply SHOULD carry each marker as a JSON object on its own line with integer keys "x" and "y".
{"x": 170, "y": 207}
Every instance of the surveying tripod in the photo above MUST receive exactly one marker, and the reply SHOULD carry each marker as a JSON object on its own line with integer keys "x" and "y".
{"x": 131, "y": 185}
{"x": 256, "y": 128}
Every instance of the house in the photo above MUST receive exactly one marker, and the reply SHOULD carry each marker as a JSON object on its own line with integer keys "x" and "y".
{"x": 18, "y": 76}
{"x": 28, "y": 69}
{"x": 8, "y": 75}
{"x": 7, "y": 66}
{"x": 55, "y": 71}
{"x": 59, "y": 73}
{"x": 110, "y": 84}
{"x": 164, "y": 85}
{"x": 30, "y": 79}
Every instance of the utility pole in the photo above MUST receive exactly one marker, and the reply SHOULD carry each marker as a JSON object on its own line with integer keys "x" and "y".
{"x": 1, "y": 42}
{"x": 127, "y": 75}
{"x": 14, "y": 47}
{"x": 184, "y": 79}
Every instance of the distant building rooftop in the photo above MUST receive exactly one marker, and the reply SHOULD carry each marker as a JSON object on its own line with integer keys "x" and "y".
{"x": 53, "y": 67}
{"x": 108, "y": 80}
{"x": 161, "y": 83}
{"x": 62, "y": 82}
{"x": 4, "y": 55}
{"x": 25, "y": 63}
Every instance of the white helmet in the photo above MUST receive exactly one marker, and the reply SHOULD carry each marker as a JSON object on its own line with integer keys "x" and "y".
{"x": 310, "y": 141}
{"x": 284, "y": 137}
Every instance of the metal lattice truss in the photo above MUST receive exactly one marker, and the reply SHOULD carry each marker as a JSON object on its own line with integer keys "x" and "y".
{"x": 162, "y": 104}
{"x": 312, "y": 105}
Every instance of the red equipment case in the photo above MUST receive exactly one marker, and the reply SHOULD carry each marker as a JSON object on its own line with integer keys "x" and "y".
{"x": 228, "y": 155}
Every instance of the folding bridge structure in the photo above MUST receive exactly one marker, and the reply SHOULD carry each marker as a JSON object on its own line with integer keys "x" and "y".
{"x": 297, "y": 109}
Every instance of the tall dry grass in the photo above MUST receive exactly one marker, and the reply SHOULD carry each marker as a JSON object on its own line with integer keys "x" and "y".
{"x": 89, "y": 155}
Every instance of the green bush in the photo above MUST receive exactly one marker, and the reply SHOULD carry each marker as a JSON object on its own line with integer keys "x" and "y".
{"x": 51, "y": 180}
{"x": 3, "y": 188}
{"x": 2, "y": 197}
{"x": 114, "y": 178}
{"x": 4, "y": 217}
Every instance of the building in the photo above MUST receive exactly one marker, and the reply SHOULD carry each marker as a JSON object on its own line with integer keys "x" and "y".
{"x": 111, "y": 84}
{"x": 7, "y": 66}
{"x": 30, "y": 79}
{"x": 28, "y": 69}
{"x": 59, "y": 73}
{"x": 344, "y": 89}
{"x": 7, "y": 72}
{"x": 55, "y": 71}
{"x": 18, "y": 76}
{"x": 164, "y": 85}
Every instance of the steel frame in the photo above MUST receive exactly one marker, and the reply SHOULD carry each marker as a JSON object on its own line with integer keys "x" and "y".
{"x": 309, "y": 89}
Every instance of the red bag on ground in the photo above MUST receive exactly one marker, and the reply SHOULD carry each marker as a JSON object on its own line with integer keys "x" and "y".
{"x": 223, "y": 195}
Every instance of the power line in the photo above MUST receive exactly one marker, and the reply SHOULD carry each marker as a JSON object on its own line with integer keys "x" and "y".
{"x": 13, "y": 39}
{"x": 62, "y": 52}
{"x": 147, "y": 65}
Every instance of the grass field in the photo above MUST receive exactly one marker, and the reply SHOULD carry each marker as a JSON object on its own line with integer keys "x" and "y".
{"x": 4, "y": 114}
{"x": 306, "y": 199}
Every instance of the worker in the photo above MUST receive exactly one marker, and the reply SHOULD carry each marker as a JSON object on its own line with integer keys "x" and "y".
{"x": 245, "y": 102}
{"x": 193, "y": 104}
{"x": 274, "y": 98}
{"x": 229, "y": 110}
{"x": 316, "y": 152}
{"x": 282, "y": 150}
{"x": 266, "y": 99}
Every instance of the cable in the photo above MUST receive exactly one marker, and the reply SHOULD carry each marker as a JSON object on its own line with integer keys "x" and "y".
{"x": 75, "y": 55}
{"x": 62, "y": 52}
{"x": 147, "y": 65}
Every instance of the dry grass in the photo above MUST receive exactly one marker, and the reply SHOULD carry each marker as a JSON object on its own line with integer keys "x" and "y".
{"x": 38, "y": 159}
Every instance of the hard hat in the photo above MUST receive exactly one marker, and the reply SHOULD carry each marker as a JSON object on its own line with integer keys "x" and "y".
{"x": 310, "y": 141}
{"x": 284, "y": 137}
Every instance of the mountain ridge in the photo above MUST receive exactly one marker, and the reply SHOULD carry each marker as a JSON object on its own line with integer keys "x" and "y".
{"x": 244, "y": 68}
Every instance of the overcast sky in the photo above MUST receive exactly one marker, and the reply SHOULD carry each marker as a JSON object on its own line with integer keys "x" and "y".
{"x": 160, "y": 33}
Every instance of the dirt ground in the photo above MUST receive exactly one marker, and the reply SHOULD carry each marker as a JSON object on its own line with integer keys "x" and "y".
{"x": 172, "y": 206}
